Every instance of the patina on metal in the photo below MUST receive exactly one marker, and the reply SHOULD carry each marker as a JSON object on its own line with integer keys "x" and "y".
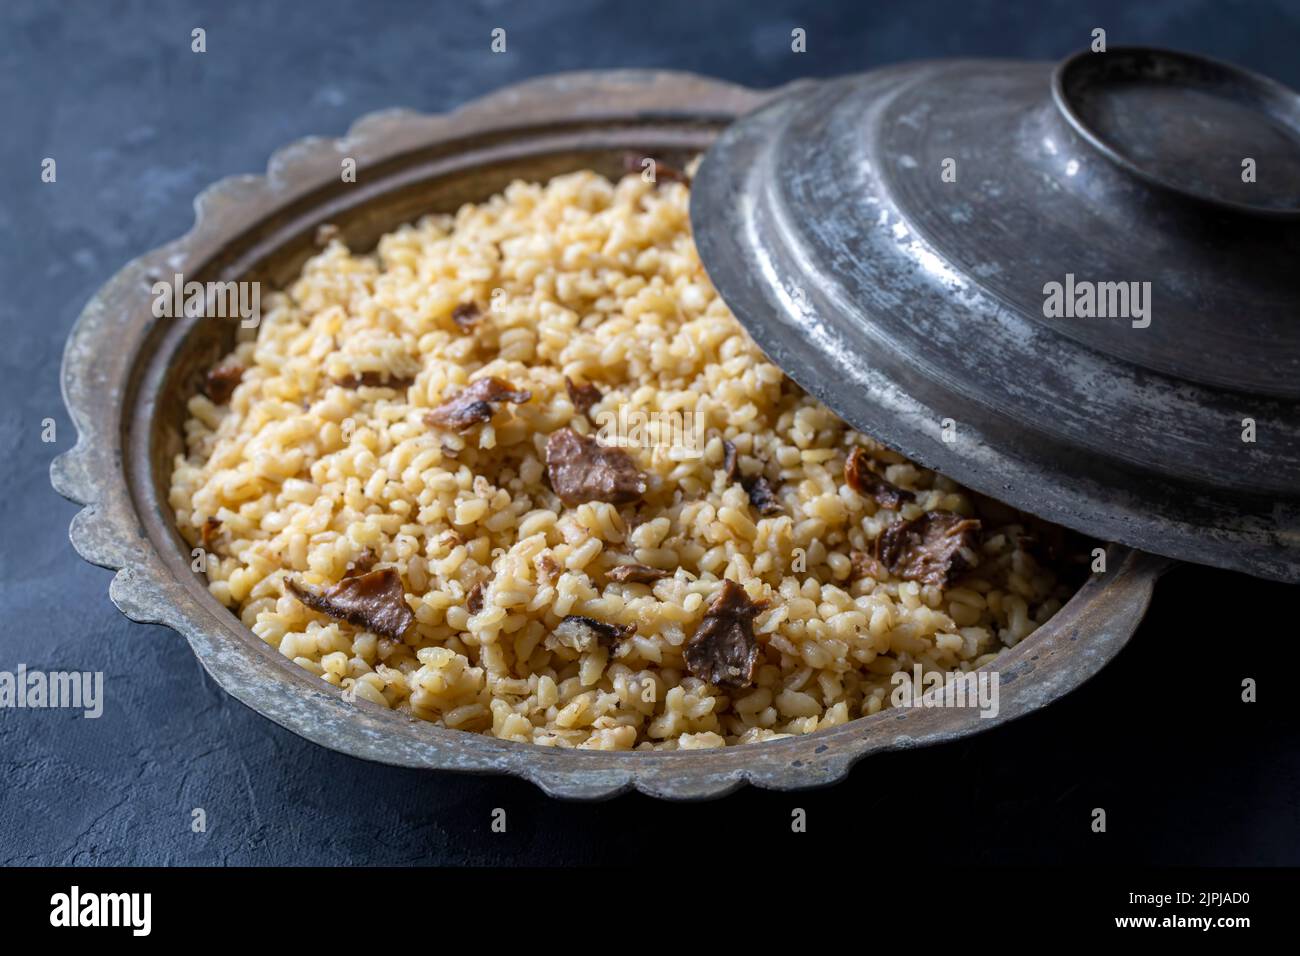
{"x": 127, "y": 377}
{"x": 890, "y": 240}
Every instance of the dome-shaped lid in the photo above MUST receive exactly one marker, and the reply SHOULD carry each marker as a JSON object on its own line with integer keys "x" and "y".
{"x": 1075, "y": 289}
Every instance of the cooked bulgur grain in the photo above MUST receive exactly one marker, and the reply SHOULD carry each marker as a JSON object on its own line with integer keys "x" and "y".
{"x": 596, "y": 283}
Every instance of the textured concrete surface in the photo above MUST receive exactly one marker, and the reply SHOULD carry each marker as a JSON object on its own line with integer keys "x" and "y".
{"x": 138, "y": 124}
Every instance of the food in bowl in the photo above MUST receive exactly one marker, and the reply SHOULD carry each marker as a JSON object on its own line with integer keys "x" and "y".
{"x": 519, "y": 471}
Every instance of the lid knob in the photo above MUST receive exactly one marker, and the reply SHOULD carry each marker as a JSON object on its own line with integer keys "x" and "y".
{"x": 1188, "y": 124}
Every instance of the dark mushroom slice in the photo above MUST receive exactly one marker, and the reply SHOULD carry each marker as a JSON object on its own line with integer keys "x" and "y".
{"x": 761, "y": 496}
{"x": 1047, "y": 543}
{"x": 759, "y": 489}
{"x": 375, "y": 601}
{"x": 1067, "y": 553}
{"x": 1052, "y": 545}
{"x": 936, "y": 547}
{"x": 631, "y": 521}
{"x": 475, "y": 404}
{"x": 466, "y": 315}
{"x": 208, "y": 532}
{"x": 636, "y": 574}
{"x": 374, "y": 380}
{"x": 582, "y": 634}
{"x": 866, "y": 565}
{"x": 860, "y": 475}
{"x": 220, "y": 382}
{"x": 730, "y": 462}
{"x": 474, "y": 599}
{"x": 723, "y": 651}
{"x": 581, "y": 469}
{"x": 582, "y": 396}
{"x": 548, "y": 570}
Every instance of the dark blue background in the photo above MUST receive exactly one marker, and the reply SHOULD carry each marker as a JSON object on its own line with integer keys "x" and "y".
{"x": 138, "y": 125}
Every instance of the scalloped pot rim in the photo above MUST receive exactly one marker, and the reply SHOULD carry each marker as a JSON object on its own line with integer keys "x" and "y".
{"x": 107, "y": 382}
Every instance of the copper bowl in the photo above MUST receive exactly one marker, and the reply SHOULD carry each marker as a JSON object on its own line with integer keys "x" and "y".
{"x": 127, "y": 375}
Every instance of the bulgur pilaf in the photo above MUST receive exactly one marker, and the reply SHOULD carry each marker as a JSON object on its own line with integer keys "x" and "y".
{"x": 363, "y": 455}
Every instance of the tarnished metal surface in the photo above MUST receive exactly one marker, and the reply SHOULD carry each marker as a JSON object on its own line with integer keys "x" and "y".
{"x": 904, "y": 298}
{"x": 126, "y": 377}
{"x": 1185, "y": 123}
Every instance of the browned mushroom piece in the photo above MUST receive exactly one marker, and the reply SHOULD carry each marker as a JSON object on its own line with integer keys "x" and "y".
{"x": 220, "y": 382}
{"x": 860, "y": 474}
{"x": 1067, "y": 553}
{"x": 582, "y": 469}
{"x": 548, "y": 570}
{"x": 723, "y": 650}
{"x": 208, "y": 532}
{"x": 466, "y": 315}
{"x": 866, "y": 565}
{"x": 374, "y": 379}
{"x": 636, "y": 574}
{"x": 475, "y": 404}
{"x": 583, "y": 634}
{"x": 582, "y": 396}
{"x": 474, "y": 599}
{"x": 730, "y": 462}
{"x": 936, "y": 547}
{"x": 761, "y": 496}
{"x": 375, "y": 601}
{"x": 363, "y": 564}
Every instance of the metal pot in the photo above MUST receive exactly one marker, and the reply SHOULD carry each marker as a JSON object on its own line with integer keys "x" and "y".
{"x": 127, "y": 376}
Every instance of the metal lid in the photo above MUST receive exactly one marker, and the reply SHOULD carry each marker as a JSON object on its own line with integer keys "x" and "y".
{"x": 917, "y": 245}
